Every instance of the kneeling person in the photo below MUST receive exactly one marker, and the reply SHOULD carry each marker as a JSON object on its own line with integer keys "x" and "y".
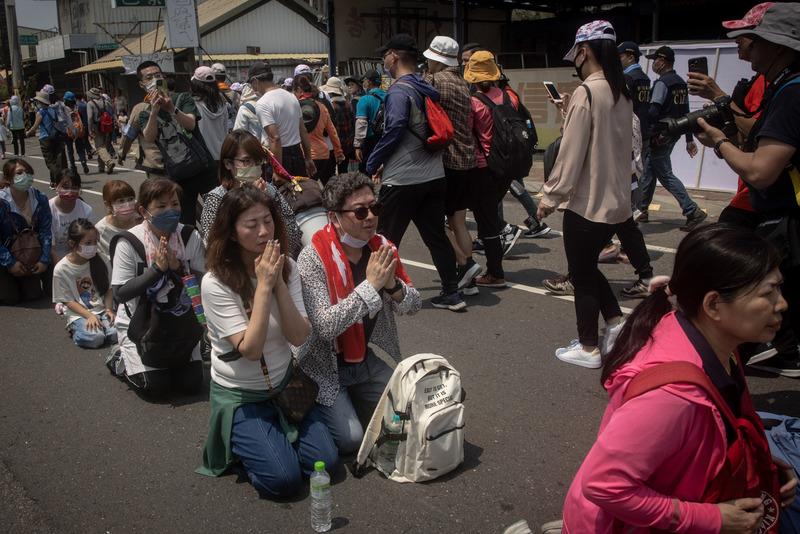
{"x": 353, "y": 282}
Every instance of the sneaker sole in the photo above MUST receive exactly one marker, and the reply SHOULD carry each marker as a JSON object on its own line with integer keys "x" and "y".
{"x": 587, "y": 365}
{"x": 469, "y": 291}
{"x": 492, "y": 284}
{"x": 788, "y": 373}
{"x": 644, "y": 295}
{"x": 514, "y": 240}
{"x": 540, "y": 233}
{"x": 760, "y": 357}
{"x": 556, "y": 291}
{"x": 469, "y": 276}
{"x": 456, "y": 308}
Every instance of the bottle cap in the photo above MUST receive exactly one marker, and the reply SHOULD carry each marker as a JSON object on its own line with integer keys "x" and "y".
{"x": 395, "y": 417}
{"x": 319, "y": 466}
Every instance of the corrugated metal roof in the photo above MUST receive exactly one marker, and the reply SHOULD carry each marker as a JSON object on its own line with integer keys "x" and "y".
{"x": 98, "y": 66}
{"x": 117, "y": 63}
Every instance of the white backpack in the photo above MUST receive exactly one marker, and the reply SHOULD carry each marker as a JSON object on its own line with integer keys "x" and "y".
{"x": 425, "y": 392}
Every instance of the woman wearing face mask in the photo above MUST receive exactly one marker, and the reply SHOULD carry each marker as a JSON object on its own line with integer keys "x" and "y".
{"x": 242, "y": 162}
{"x": 591, "y": 183}
{"x": 167, "y": 247}
{"x": 80, "y": 282}
{"x": 119, "y": 199}
{"x": 65, "y": 208}
{"x": 348, "y": 311}
{"x": 23, "y": 207}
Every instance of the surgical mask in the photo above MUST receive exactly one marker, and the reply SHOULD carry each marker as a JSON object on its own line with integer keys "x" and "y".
{"x": 23, "y": 182}
{"x": 124, "y": 210}
{"x": 349, "y": 240}
{"x": 166, "y": 222}
{"x": 87, "y": 251}
{"x": 386, "y": 70}
{"x": 248, "y": 175}
{"x": 151, "y": 85}
{"x": 69, "y": 195}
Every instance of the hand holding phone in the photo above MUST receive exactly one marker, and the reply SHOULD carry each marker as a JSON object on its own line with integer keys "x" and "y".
{"x": 554, "y": 94}
{"x": 699, "y": 64}
{"x": 161, "y": 87}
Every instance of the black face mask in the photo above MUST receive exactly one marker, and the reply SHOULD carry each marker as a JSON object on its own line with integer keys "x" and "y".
{"x": 578, "y": 68}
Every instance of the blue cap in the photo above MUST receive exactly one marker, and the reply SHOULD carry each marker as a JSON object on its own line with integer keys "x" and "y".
{"x": 69, "y": 96}
{"x": 629, "y": 47}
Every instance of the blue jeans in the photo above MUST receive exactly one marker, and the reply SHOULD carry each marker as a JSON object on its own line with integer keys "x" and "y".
{"x": 88, "y": 339}
{"x": 360, "y": 388}
{"x": 658, "y": 166}
{"x": 275, "y": 466}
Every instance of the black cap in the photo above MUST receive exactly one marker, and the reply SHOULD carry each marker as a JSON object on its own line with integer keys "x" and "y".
{"x": 257, "y": 69}
{"x": 400, "y": 41}
{"x": 664, "y": 52}
{"x": 354, "y": 79}
{"x": 374, "y": 76}
{"x": 629, "y": 47}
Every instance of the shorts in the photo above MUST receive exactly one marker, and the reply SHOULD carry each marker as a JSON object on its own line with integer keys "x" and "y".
{"x": 462, "y": 187}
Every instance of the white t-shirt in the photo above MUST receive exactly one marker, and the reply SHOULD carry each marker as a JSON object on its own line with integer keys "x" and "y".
{"x": 282, "y": 109}
{"x": 125, "y": 266}
{"x": 73, "y": 283}
{"x": 226, "y": 316}
{"x": 61, "y": 222}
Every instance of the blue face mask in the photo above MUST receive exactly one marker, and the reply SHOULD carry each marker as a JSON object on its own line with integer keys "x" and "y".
{"x": 166, "y": 222}
{"x": 386, "y": 70}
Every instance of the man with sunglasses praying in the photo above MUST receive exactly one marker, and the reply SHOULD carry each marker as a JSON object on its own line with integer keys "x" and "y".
{"x": 412, "y": 177}
{"x": 353, "y": 284}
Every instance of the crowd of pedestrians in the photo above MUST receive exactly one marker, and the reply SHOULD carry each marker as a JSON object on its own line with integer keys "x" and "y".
{"x": 265, "y": 243}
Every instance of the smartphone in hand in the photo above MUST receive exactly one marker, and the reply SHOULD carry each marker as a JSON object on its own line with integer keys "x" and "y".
{"x": 551, "y": 88}
{"x": 699, "y": 64}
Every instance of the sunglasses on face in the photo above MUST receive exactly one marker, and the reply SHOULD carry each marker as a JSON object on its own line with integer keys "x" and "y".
{"x": 361, "y": 213}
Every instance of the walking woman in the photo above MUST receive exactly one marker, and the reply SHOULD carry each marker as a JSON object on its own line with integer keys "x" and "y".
{"x": 53, "y": 150}
{"x": 253, "y": 301}
{"x": 318, "y": 123}
{"x": 665, "y": 455}
{"x": 213, "y": 109}
{"x": 591, "y": 184}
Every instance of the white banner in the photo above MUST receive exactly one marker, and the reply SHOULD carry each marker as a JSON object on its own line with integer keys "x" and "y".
{"x": 50, "y": 49}
{"x": 165, "y": 60}
{"x": 181, "y": 24}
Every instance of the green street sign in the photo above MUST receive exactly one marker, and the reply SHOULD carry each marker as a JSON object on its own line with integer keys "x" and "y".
{"x": 28, "y": 40}
{"x": 138, "y": 3}
{"x": 107, "y": 46}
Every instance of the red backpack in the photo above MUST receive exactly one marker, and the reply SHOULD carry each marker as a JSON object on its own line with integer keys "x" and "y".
{"x": 105, "y": 122}
{"x": 440, "y": 129}
{"x": 748, "y": 470}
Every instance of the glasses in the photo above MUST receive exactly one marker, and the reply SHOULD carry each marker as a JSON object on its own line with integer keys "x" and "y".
{"x": 361, "y": 213}
{"x": 247, "y": 162}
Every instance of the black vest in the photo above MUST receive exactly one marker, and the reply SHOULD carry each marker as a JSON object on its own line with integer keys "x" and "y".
{"x": 639, "y": 85}
{"x": 677, "y": 103}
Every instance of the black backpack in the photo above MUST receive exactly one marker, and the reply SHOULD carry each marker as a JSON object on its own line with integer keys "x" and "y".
{"x": 164, "y": 337}
{"x": 379, "y": 121}
{"x": 311, "y": 114}
{"x": 512, "y": 147}
{"x": 185, "y": 154}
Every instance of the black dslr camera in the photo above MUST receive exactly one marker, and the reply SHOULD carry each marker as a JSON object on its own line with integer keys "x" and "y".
{"x": 718, "y": 114}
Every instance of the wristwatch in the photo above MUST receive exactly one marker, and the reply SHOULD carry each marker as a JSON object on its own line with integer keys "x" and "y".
{"x": 719, "y": 144}
{"x": 175, "y": 111}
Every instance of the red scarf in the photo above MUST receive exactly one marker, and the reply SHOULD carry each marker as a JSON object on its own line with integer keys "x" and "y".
{"x": 340, "y": 284}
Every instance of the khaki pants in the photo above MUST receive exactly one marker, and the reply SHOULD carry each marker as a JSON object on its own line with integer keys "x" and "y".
{"x": 101, "y": 141}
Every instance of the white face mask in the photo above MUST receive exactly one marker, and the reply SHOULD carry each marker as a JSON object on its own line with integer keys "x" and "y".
{"x": 248, "y": 175}
{"x": 152, "y": 84}
{"x": 349, "y": 240}
{"x": 87, "y": 251}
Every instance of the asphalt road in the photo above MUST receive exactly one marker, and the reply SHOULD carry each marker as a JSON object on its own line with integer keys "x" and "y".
{"x": 81, "y": 452}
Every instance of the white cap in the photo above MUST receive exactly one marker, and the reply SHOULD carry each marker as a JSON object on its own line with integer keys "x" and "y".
{"x": 444, "y": 50}
{"x": 218, "y": 68}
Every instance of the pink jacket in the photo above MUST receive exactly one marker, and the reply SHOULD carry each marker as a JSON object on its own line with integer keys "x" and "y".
{"x": 653, "y": 456}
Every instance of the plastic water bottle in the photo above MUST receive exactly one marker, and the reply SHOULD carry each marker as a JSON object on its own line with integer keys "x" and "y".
{"x": 387, "y": 453}
{"x": 320, "y": 498}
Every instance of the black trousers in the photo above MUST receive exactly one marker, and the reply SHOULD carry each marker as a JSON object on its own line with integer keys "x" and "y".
{"x": 632, "y": 242}
{"x": 199, "y": 185}
{"x": 422, "y": 204}
{"x": 583, "y": 241}
{"x": 366, "y": 148}
{"x": 18, "y": 140}
{"x": 184, "y": 380}
{"x": 484, "y": 204}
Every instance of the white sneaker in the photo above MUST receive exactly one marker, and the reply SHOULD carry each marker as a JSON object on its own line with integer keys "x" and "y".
{"x": 610, "y": 336}
{"x": 576, "y": 355}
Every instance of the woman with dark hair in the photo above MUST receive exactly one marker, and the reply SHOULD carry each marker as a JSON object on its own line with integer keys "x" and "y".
{"x": 214, "y": 110}
{"x": 591, "y": 183}
{"x": 319, "y": 125}
{"x": 160, "y": 250}
{"x": 23, "y": 206}
{"x": 253, "y": 302}
{"x": 242, "y": 161}
{"x": 657, "y": 453}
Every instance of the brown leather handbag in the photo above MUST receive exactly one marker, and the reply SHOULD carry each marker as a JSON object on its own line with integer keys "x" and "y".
{"x": 24, "y": 245}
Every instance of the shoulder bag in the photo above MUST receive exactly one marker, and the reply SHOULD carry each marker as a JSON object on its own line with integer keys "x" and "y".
{"x": 24, "y": 245}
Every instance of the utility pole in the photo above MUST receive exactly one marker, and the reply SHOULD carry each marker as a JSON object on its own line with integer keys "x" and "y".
{"x": 13, "y": 44}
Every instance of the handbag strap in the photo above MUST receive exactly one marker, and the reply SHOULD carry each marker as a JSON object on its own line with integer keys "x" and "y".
{"x": 249, "y": 311}
{"x": 16, "y": 230}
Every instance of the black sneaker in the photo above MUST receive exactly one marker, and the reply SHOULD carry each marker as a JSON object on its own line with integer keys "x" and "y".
{"x": 510, "y": 239}
{"x": 638, "y": 290}
{"x": 535, "y": 228}
{"x": 471, "y": 289}
{"x": 477, "y": 247}
{"x": 467, "y": 273}
{"x": 644, "y": 217}
{"x": 693, "y": 220}
{"x": 452, "y": 302}
{"x": 788, "y": 366}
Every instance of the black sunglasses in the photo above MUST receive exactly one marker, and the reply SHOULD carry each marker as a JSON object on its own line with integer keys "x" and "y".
{"x": 361, "y": 213}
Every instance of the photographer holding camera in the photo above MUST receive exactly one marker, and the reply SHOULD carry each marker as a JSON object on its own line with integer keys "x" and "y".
{"x": 769, "y": 162}
{"x": 745, "y": 101}
{"x": 669, "y": 100}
